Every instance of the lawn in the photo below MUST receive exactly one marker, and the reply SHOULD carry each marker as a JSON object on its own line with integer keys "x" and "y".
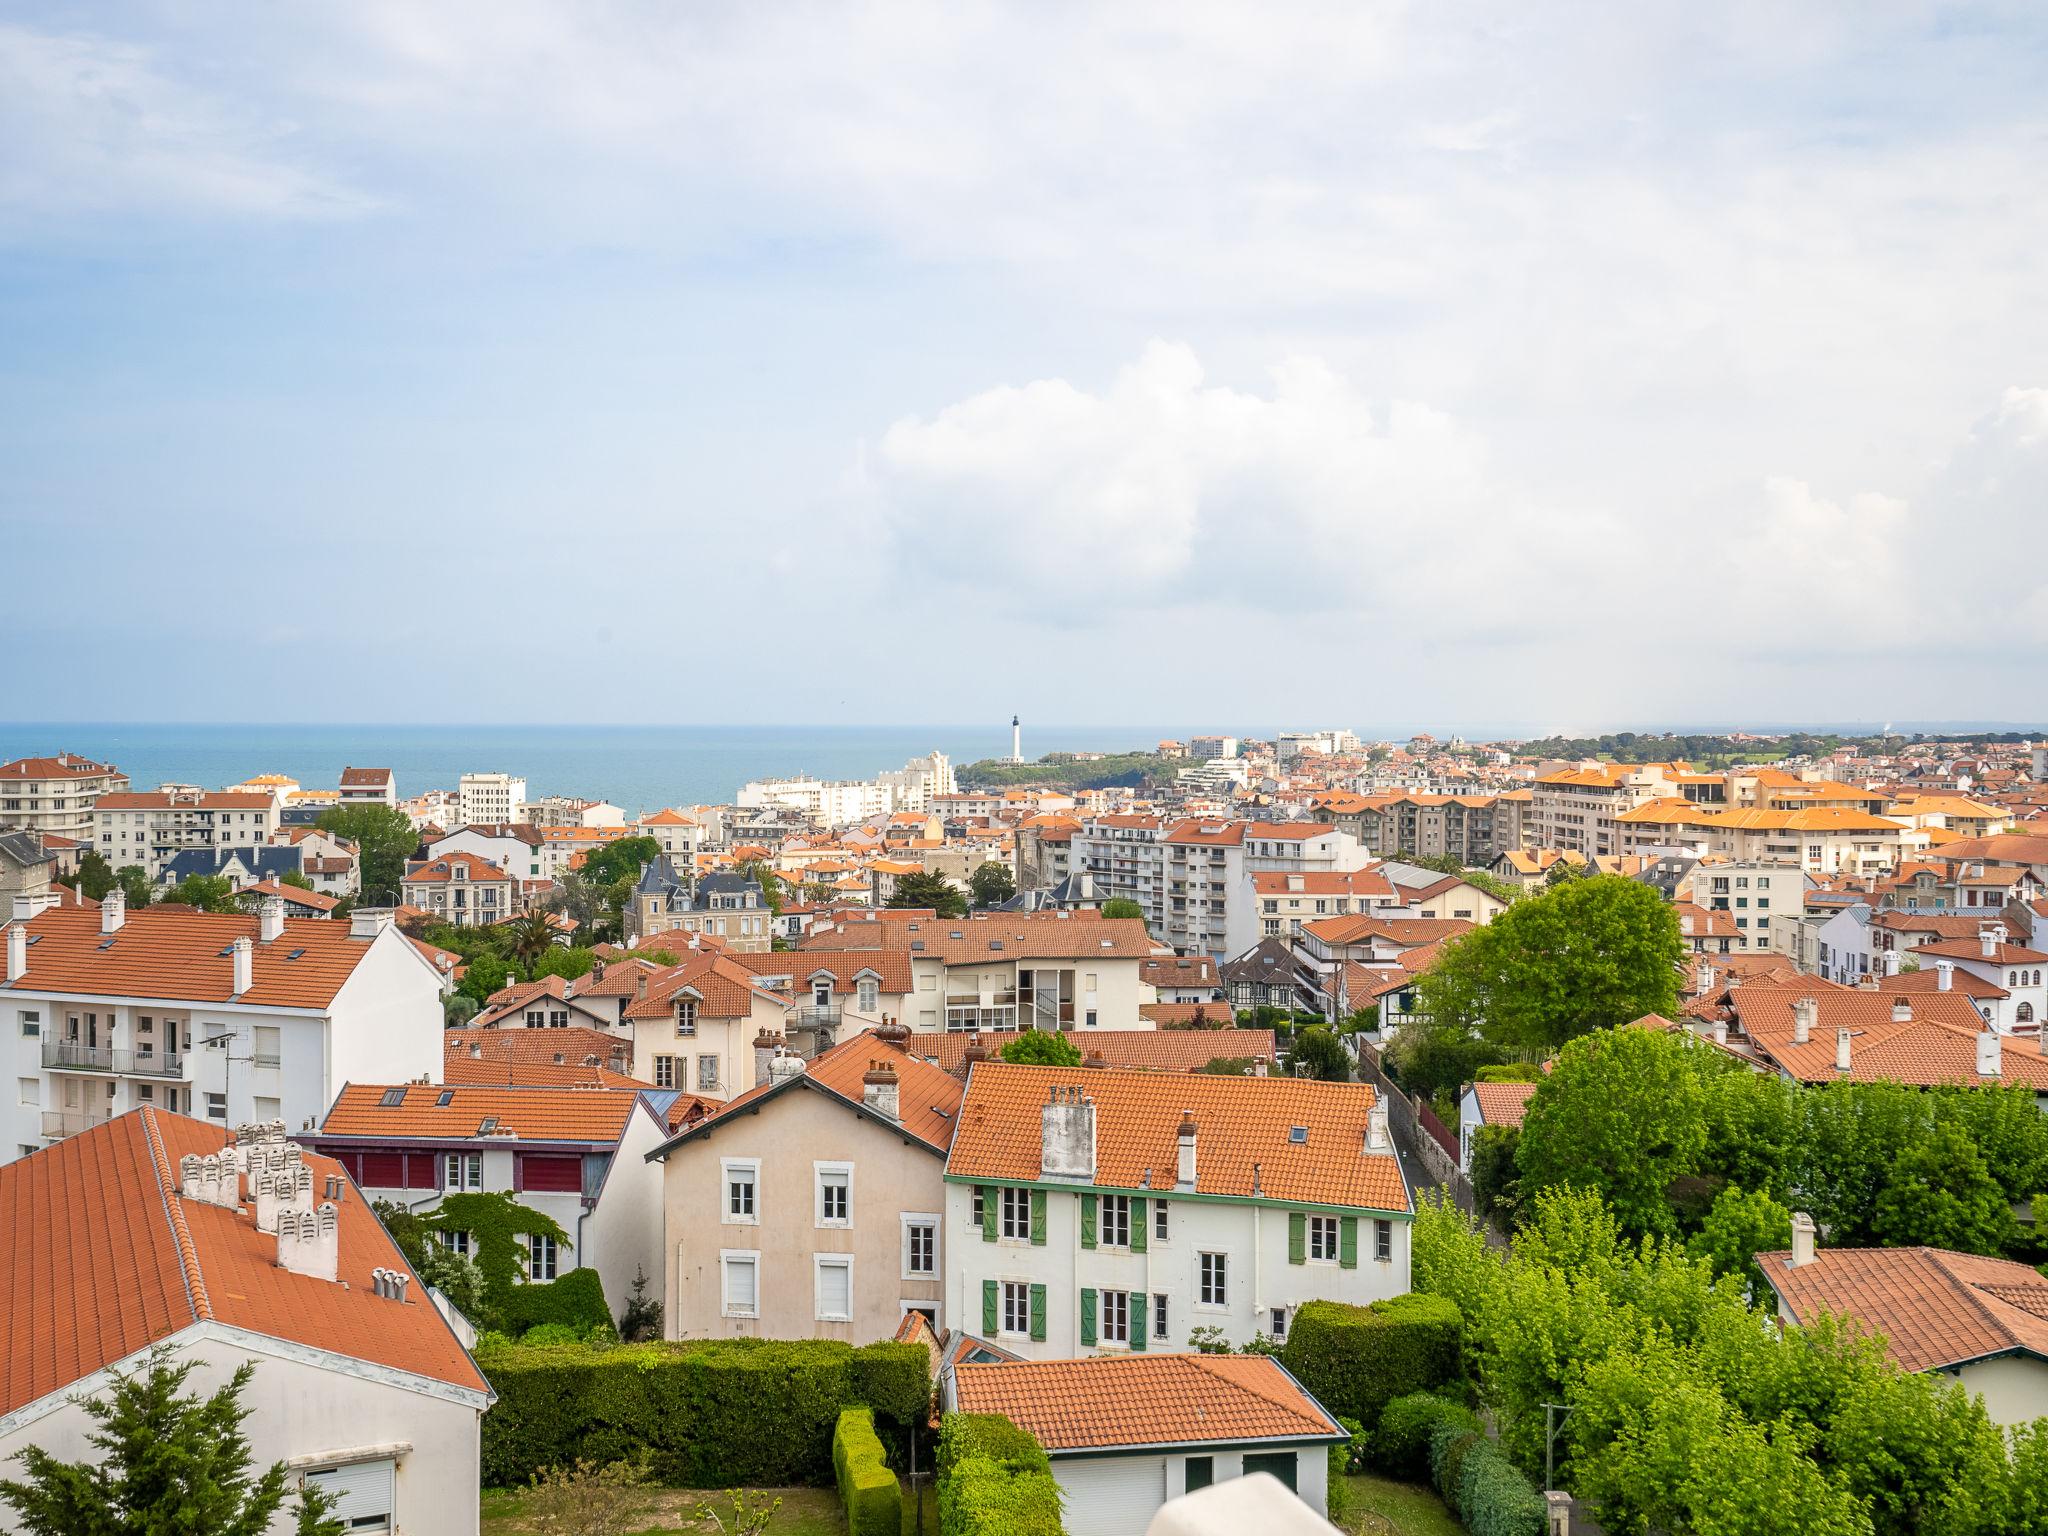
{"x": 673, "y": 1512}
{"x": 1382, "y": 1507}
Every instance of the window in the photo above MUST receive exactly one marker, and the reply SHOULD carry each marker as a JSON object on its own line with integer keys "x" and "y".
{"x": 1280, "y": 1464}
{"x": 686, "y": 1016}
{"x": 980, "y": 1220}
{"x": 540, "y": 1259}
{"x": 1016, "y": 1307}
{"x": 834, "y": 1287}
{"x": 1215, "y": 1276}
{"x": 1116, "y": 1221}
{"x": 216, "y": 1106}
{"x": 1116, "y": 1317}
{"x": 1158, "y": 1221}
{"x": 835, "y": 1194}
{"x": 31, "y": 1023}
{"x": 1277, "y": 1317}
{"x": 1322, "y": 1237}
{"x": 1017, "y": 1213}
{"x": 1159, "y": 1317}
{"x": 455, "y": 1242}
{"x": 920, "y": 1247}
{"x": 739, "y": 1191}
{"x": 707, "y": 1074}
{"x": 664, "y": 1071}
{"x": 463, "y": 1170}
{"x": 868, "y": 995}
{"x": 1201, "y": 1472}
{"x": 360, "y": 1494}
{"x": 739, "y": 1272}
{"x": 1383, "y": 1241}
{"x": 30, "y": 1090}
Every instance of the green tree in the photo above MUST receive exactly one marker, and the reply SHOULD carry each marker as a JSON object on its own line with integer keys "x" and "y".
{"x": 484, "y": 975}
{"x": 566, "y": 963}
{"x": 622, "y": 859}
{"x": 769, "y": 881}
{"x": 991, "y": 884}
{"x": 295, "y": 880}
{"x": 1319, "y": 1054}
{"x": 1740, "y": 1226}
{"x": 209, "y": 893}
{"x": 1496, "y": 1180}
{"x": 1939, "y": 1194}
{"x": 1563, "y": 872}
{"x": 1593, "y": 954}
{"x": 1041, "y": 1048}
{"x": 583, "y": 900}
{"x": 1123, "y": 906}
{"x": 528, "y": 937}
{"x": 166, "y": 1461}
{"x": 384, "y": 838}
{"x": 95, "y": 876}
{"x": 135, "y": 886}
{"x": 928, "y": 889}
{"x": 1432, "y": 1058}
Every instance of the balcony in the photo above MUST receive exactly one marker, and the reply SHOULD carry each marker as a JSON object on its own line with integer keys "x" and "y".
{"x": 819, "y": 1015}
{"x": 59, "y": 1123}
{"x": 77, "y": 1056}
{"x": 964, "y": 1017}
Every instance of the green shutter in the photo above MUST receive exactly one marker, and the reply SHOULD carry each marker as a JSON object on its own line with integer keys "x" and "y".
{"x": 988, "y": 1308}
{"x": 1088, "y": 1315}
{"x": 1297, "y": 1237}
{"x": 1137, "y": 1226}
{"x": 1347, "y": 1242}
{"x": 1038, "y": 1218}
{"x": 1038, "y": 1313}
{"x": 1138, "y": 1304}
{"x": 1087, "y": 1221}
{"x": 990, "y": 1201}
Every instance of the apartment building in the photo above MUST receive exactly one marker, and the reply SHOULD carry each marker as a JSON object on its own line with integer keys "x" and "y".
{"x": 1095, "y": 1211}
{"x": 707, "y": 1026}
{"x": 151, "y": 828}
{"x": 367, "y": 786}
{"x": 462, "y": 889}
{"x": 233, "y": 1019}
{"x": 1285, "y": 901}
{"x": 55, "y": 795}
{"x": 1824, "y": 840}
{"x": 725, "y": 906}
{"x": 518, "y": 848}
{"x": 1473, "y": 829}
{"x": 490, "y": 799}
{"x": 1764, "y": 902}
{"x": 1578, "y": 809}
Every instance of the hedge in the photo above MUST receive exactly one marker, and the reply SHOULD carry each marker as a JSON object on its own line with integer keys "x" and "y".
{"x": 1486, "y": 1490}
{"x": 1355, "y": 1360}
{"x": 994, "y": 1479}
{"x": 575, "y": 1301}
{"x": 1401, "y": 1445}
{"x": 867, "y": 1488}
{"x": 710, "y": 1414}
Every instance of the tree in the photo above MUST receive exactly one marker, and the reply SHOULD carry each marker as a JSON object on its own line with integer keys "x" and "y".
{"x": 566, "y": 963}
{"x": 1939, "y": 1194}
{"x": 1740, "y": 1226}
{"x": 95, "y": 875}
{"x": 167, "y": 1461}
{"x": 1431, "y": 1058}
{"x": 622, "y": 859}
{"x": 295, "y": 880}
{"x": 578, "y": 897}
{"x": 1593, "y": 954}
{"x": 384, "y": 839}
{"x": 1563, "y": 872}
{"x": 457, "y": 1009}
{"x": 587, "y": 1500}
{"x": 209, "y": 893}
{"x": 928, "y": 888}
{"x": 1320, "y": 1054}
{"x": 992, "y": 884}
{"x": 483, "y": 976}
{"x": 1496, "y": 1181}
{"x": 1123, "y": 906}
{"x": 528, "y": 937}
{"x": 1041, "y": 1048}
{"x": 135, "y": 886}
{"x": 642, "y": 1318}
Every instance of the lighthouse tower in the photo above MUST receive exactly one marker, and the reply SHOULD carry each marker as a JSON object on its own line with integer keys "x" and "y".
{"x": 1016, "y": 740}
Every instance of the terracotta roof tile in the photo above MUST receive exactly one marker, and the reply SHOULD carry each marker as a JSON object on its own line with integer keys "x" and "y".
{"x": 1149, "y": 1050}
{"x": 593, "y": 1115}
{"x": 1503, "y": 1103}
{"x": 928, "y": 1099}
{"x": 1934, "y": 1307}
{"x": 1119, "y": 1400}
{"x": 844, "y": 966}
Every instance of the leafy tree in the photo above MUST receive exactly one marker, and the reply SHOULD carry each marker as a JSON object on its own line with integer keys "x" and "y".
{"x": 1432, "y": 1058}
{"x": 458, "y": 1008}
{"x": 384, "y": 839}
{"x": 1738, "y": 1228}
{"x": 577, "y": 896}
{"x": 621, "y": 859}
{"x": 1940, "y": 1194}
{"x": 1496, "y": 1180}
{"x": 991, "y": 884}
{"x": 167, "y": 1461}
{"x": 95, "y": 876}
{"x": 1123, "y": 906}
{"x": 766, "y": 878}
{"x": 209, "y": 893}
{"x": 528, "y": 937}
{"x": 295, "y": 880}
{"x": 1319, "y": 1054}
{"x": 930, "y": 889}
{"x": 484, "y": 975}
{"x": 566, "y": 963}
{"x": 135, "y": 886}
{"x": 1041, "y": 1048}
{"x": 1590, "y": 955}
{"x": 1563, "y": 872}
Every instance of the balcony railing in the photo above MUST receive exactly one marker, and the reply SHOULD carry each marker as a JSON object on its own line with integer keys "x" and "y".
{"x": 77, "y": 1056}
{"x": 816, "y": 1015}
{"x": 59, "y": 1123}
{"x": 959, "y": 1018}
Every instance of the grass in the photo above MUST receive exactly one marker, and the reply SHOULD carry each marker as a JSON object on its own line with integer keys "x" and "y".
{"x": 673, "y": 1512}
{"x": 1383, "y": 1507}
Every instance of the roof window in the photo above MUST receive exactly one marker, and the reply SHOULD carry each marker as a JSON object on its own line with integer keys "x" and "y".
{"x": 1298, "y": 1134}
{"x": 446, "y": 1098}
{"x": 393, "y": 1097}
{"x": 489, "y": 1125}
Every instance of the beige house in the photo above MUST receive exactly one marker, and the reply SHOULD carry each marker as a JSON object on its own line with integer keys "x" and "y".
{"x": 812, "y": 1206}
{"x": 55, "y": 795}
{"x": 1823, "y": 840}
{"x": 695, "y": 1026}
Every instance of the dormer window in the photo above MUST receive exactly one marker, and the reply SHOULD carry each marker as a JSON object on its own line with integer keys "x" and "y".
{"x": 686, "y": 1016}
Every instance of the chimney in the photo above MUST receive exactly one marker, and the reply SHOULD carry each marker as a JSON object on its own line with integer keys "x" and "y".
{"x": 210, "y": 1180}
{"x": 878, "y": 1090}
{"x": 975, "y": 1051}
{"x": 113, "y": 910}
{"x": 785, "y": 1066}
{"x": 1802, "y": 1240}
{"x": 1944, "y": 975}
{"x": 1990, "y": 1053}
{"x": 368, "y": 922}
{"x": 277, "y": 1190}
{"x": 1987, "y": 939}
{"x": 1805, "y": 1013}
{"x": 1186, "y": 1177}
{"x": 640, "y": 985}
{"x": 1259, "y": 1065}
{"x": 1891, "y": 962}
{"x": 1067, "y": 1135}
{"x": 764, "y": 1053}
{"x": 17, "y": 951}
{"x": 1720, "y": 1031}
{"x": 1094, "y": 1059}
{"x": 245, "y": 966}
{"x": 309, "y": 1242}
{"x": 269, "y": 919}
{"x": 1842, "y": 1037}
{"x": 1376, "y": 1139}
{"x": 1902, "y": 1011}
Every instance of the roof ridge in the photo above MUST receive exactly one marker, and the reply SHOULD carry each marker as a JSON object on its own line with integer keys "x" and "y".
{"x": 1209, "y": 1364}
{"x": 188, "y": 1251}
{"x": 1937, "y": 1259}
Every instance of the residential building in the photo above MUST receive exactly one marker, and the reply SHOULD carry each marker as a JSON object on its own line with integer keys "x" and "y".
{"x": 228, "y": 1018}
{"x": 1182, "y": 978}
{"x": 1141, "y": 1050}
{"x": 490, "y": 799}
{"x": 26, "y": 866}
{"x": 577, "y": 1155}
{"x": 56, "y": 795}
{"x": 836, "y": 992}
{"x": 724, "y": 905}
{"x": 1125, "y": 1434}
{"x": 680, "y": 834}
{"x": 557, "y": 811}
{"x": 1271, "y": 975}
{"x": 241, "y": 867}
{"x": 811, "y": 1206}
{"x": 1824, "y": 840}
{"x": 517, "y": 848}
{"x": 154, "y": 1231}
{"x": 1764, "y": 901}
{"x": 1284, "y": 900}
{"x": 698, "y": 1027}
{"x": 1844, "y": 948}
{"x": 1484, "y": 1104}
{"x": 462, "y": 889}
{"x": 150, "y": 829}
{"x": 367, "y": 786}
{"x": 1106, "y": 1211}
{"x": 1209, "y": 748}
{"x": 1473, "y": 829}
{"x": 1821, "y": 1034}
{"x": 531, "y": 1057}
{"x": 1579, "y": 808}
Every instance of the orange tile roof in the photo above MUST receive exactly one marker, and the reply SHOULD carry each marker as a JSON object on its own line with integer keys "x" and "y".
{"x": 1323, "y": 882}
{"x": 1972, "y": 949}
{"x": 1938, "y": 1044}
{"x": 927, "y": 1099}
{"x": 108, "y": 1258}
{"x": 1131, "y": 1400}
{"x": 574, "y": 1045}
{"x": 160, "y": 800}
{"x": 725, "y": 988}
{"x": 1934, "y": 1307}
{"x": 441, "y": 871}
{"x": 844, "y": 966}
{"x": 1240, "y": 1122}
{"x": 1148, "y": 1050}
{"x": 593, "y": 1115}
{"x": 64, "y": 766}
{"x": 514, "y": 1073}
{"x": 1020, "y": 935}
{"x": 1411, "y": 932}
{"x": 1182, "y": 1016}
{"x": 184, "y": 956}
{"x": 294, "y": 896}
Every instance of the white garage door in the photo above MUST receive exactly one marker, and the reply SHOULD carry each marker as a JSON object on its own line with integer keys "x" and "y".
{"x": 362, "y": 1492}
{"x": 1112, "y": 1495}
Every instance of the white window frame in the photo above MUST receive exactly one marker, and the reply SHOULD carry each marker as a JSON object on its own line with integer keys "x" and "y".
{"x": 665, "y": 1067}
{"x": 727, "y": 1168}
{"x": 867, "y": 994}
{"x": 709, "y": 1081}
{"x": 916, "y": 1219}
{"x": 1324, "y": 1238}
{"x": 1161, "y": 1225}
{"x": 1122, "y": 1204}
{"x": 819, "y": 1173}
{"x": 1022, "y": 1291}
{"x": 820, "y": 1262}
{"x": 538, "y": 1243}
{"x": 1122, "y": 1334}
{"x": 462, "y": 1173}
{"x": 1382, "y": 1237}
{"x": 727, "y": 1257}
{"x": 1159, "y": 1319}
{"x": 1014, "y": 1196}
{"x": 1202, "y": 1285}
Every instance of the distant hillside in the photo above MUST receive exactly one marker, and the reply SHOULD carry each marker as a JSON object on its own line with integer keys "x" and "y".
{"x": 1059, "y": 771}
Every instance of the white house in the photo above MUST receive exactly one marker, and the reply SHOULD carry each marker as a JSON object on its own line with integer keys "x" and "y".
{"x": 158, "y": 1231}
{"x": 229, "y": 1018}
{"x": 1484, "y": 1104}
{"x": 1101, "y": 1210}
{"x": 517, "y": 849}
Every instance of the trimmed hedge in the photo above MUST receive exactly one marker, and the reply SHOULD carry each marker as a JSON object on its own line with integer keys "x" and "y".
{"x": 709, "y": 1414}
{"x": 867, "y": 1488}
{"x": 994, "y": 1479}
{"x": 1355, "y": 1360}
{"x": 574, "y": 1301}
{"x": 1401, "y": 1445}
{"x": 1486, "y": 1490}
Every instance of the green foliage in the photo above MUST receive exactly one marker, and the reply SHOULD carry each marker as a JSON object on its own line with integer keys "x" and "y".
{"x": 1127, "y": 769}
{"x": 707, "y": 1414}
{"x": 209, "y": 893}
{"x": 1400, "y": 1446}
{"x": 642, "y": 1318}
{"x": 1429, "y": 1058}
{"x": 1509, "y": 1072}
{"x": 135, "y": 886}
{"x": 994, "y": 1480}
{"x": 575, "y": 1301}
{"x": 295, "y": 880}
{"x": 766, "y": 878}
{"x": 1319, "y": 1054}
{"x": 1940, "y": 1193}
{"x": 621, "y": 859}
{"x": 94, "y": 876}
{"x": 1592, "y": 954}
{"x": 1123, "y": 906}
{"x": 485, "y": 975}
{"x": 165, "y": 1460}
{"x": 1041, "y": 1048}
{"x": 928, "y": 888}
{"x": 1354, "y": 1360}
{"x": 991, "y": 884}
{"x": 1496, "y": 1178}
{"x": 1740, "y": 1226}
{"x": 565, "y": 963}
{"x": 384, "y": 839}
{"x": 528, "y": 937}
{"x": 867, "y": 1488}
{"x": 1478, "y": 879}
{"x": 1488, "y": 1492}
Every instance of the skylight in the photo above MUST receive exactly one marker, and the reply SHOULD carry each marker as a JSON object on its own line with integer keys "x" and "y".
{"x": 393, "y": 1097}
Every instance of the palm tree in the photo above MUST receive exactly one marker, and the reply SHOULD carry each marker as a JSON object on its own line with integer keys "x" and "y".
{"x": 532, "y": 936}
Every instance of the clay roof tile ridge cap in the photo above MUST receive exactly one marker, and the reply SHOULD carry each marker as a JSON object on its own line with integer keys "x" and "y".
{"x": 167, "y": 1188}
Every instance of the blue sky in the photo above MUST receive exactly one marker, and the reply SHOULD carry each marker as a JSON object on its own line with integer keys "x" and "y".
{"x": 1563, "y": 365}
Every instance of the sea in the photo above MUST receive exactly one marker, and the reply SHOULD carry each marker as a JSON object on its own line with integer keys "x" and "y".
{"x": 640, "y": 768}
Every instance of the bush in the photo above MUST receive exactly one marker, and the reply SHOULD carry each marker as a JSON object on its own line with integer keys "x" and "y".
{"x": 1343, "y": 1457}
{"x": 1486, "y": 1491}
{"x": 994, "y": 1479}
{"x": 867, "y": 1488}
{"x": 1355, "y": 1360}
{"x": 709, "y": 1414}
{"x": 576, "y": 1301}
{"x": 1400, "y": 1447}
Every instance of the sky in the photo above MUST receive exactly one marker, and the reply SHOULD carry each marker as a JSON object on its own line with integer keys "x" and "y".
{"x": 1559, "y": 366}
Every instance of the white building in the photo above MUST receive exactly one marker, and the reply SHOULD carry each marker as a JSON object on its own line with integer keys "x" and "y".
{"x": 151, "y": 828}
{"x": 367, "y": 786}
{"x": 151, "y": 1235}
{"x": 495, "y": 798}
{"x": 1087, "y": 1213}
{"x": 55, "y": 795}
{"x": 232, "y": 1019}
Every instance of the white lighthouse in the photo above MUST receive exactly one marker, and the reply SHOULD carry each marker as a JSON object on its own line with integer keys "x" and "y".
{"x": 1016, "y": 740}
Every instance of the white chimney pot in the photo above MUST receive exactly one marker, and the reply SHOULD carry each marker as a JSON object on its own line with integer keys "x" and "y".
{"x": 1990, "y": 1053}
{"x": 17, "y": 951}
{"x": 1841, "y": 1050}
{"x": 1802, "y": 1240}
{"x": 244, "y": 966}
{"x": 113, "y": 910}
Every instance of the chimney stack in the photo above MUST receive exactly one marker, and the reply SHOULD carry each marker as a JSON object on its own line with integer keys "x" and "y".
{"x": 368, "y": 922}
{"x": 309, "y": 1242}
{"x": 270, "y": 919}
{"x": 764, "y": 1053}
{"x": 787, "y": 1064}
{"x": 1067, "y": 1135}
{"x": 1990, "y": 1053}
{"x": 285, "y": 1188}
{"x": 17, "y": 950}
{"x": 1902, "y": 1011}
{"x": 1891, "y": 962}
{"x": 1376, "y": 1139}
{"x": 1720, "y": 1031}
{"x": 210, "y": 1180}
{"x": 1802, "y": 1240}
{"x": 113, "y": 910}
{"x": 879, "y": 1092}
{"x": 1186, "y": 1172}
{"x": 245, "y": 966}
{"x": 1987, "y": 940}
{"x": 1805, "y": 1014}
{"x": 1842, "y": 1037}
{"x": 1944, "y": 975}
{"x": 1259, "y": 1065}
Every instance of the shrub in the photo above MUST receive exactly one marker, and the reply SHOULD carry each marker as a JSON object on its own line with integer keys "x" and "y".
{"x": 994, "y": 1479}
{"x": 1485, "y": 1490}
{"x": 551, "y": 1333}
{"x": 1342, "y": 1456}
{"x": 867, "y": 1488}
{"x": 1355, "y": 1360}
{"x": 1400, "y": 1447}
{"x": 989, "y": 1435}
{"x": 576, "y": 1301}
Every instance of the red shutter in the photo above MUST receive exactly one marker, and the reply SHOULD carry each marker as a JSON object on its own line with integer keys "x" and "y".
{"x": 381, "y": 1170}
{"x": 351, "y": 1162}
{"x": 551, "y": 1175}
{"x": 422, "y": 1170}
